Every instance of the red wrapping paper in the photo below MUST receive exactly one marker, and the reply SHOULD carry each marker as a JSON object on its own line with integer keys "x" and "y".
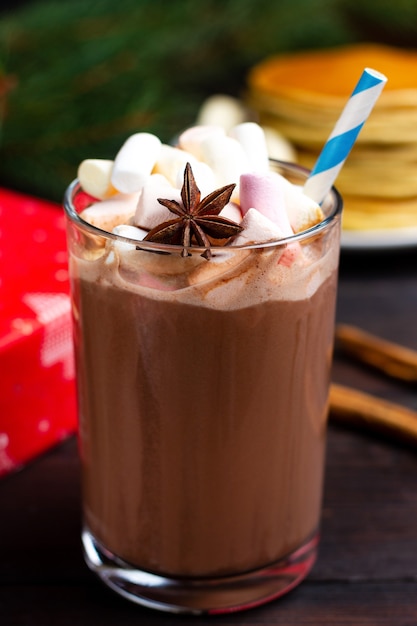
{"x": 37, "y": 387}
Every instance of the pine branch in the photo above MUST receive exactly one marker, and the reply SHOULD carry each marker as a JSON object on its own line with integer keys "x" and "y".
{"x": 89, "y": 73}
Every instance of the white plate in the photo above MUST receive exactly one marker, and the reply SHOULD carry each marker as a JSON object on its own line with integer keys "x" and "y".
{"x": 379, "y": 239}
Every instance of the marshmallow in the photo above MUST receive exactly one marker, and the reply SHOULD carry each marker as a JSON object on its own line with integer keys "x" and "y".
{"x": 151, "y": 281}
{"x": 167, "y": 265}
{"x": 232, "y": 212}
{"x": 227, "y": 159}
{"x": 145, "y": 268}
{"x": 222, "y": 110}
{"x": 307, "y": 215}
{"x": 303, "y": 212}
{"x": 257, "y": 228}
{"x": 149, "y": 212}
{"x": 130, "y": 232}
{"x": 109, "y": 213}
{"x": 278, "y": 146}
{"x": 252, "y": 139}
{"x": 95, "y": 177}
{"x": 204, "y": 178}
{"x": 134, "y": 162}
{"x": 222, "y": 263}
{"x": 172, "y": 161}
{"x": 265, "y": 192}
{"x": 190, "y": 140}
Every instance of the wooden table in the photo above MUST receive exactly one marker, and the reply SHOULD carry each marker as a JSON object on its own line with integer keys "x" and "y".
{"x": 367, "y": 569}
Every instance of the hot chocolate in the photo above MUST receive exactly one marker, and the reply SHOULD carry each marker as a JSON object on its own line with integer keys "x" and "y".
{"x": 203, "y": 429}
{"x": 203, "y": 334}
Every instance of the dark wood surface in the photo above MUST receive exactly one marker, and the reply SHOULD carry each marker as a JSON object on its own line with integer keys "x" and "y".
{"x": 366, "y": 574}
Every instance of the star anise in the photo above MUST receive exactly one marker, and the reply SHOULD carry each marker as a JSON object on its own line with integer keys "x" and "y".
{"x": 197, "y": 220}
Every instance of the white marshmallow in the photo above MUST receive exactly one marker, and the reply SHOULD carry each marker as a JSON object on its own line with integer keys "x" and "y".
{"x": 222, "y": 110}
{"x": 130, "y": 232}
{"x": 149, "y": 212}
{"x": 190, "y": 140}
{"x": 303, "y": 212}
{"x": 222, "y": 263}
{"x": 257, "y": 228}
{"x": 134, "y": 162}
{"x": 232, "y": 212}
{"x": 95, "y": 177}
{"x": 109, "y": 213}
{"x": 278, "y": 146}
{"x": 265, "y": 192}
{"x": 172, "y": 161}
{"x": 308, "y": 215}
{"x": 252, "y": 139}
{"x": 204, "y": 178}
{"x": 227, "y": 159}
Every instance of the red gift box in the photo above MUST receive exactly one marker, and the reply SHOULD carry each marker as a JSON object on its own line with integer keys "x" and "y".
{"x": 37, "y": 387}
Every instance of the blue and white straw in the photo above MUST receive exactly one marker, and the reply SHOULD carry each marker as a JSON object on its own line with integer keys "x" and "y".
{"x": 344, "y": 134}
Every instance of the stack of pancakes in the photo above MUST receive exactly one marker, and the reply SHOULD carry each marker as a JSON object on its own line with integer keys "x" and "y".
{"x": 302, "y": 95}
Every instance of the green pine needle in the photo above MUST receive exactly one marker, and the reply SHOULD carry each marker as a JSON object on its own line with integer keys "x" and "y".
{"x": 88, "y": 73}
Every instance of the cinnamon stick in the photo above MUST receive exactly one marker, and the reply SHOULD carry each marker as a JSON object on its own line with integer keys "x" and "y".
{"x": 361, "y": 409}
{"x": 388, "y": 357}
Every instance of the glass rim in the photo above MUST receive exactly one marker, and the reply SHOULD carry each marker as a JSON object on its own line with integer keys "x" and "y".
{"x": 149, "y": 246}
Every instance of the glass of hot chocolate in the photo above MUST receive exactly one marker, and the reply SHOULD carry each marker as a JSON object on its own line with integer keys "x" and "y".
{"x": 203, "y": 378}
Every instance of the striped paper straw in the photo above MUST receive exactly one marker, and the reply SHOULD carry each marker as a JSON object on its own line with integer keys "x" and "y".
{"x": 344, "y": 134}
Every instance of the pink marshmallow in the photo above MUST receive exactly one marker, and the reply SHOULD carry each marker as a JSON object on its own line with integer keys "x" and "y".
{"x": 265, "y": 193}
{"x": 153, "y": 282}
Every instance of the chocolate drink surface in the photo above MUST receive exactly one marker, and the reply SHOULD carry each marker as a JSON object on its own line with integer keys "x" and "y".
{"x": 202, "y": 416}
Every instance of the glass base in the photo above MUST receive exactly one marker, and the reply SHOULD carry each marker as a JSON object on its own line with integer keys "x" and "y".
{"x": 197, "y": 596}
